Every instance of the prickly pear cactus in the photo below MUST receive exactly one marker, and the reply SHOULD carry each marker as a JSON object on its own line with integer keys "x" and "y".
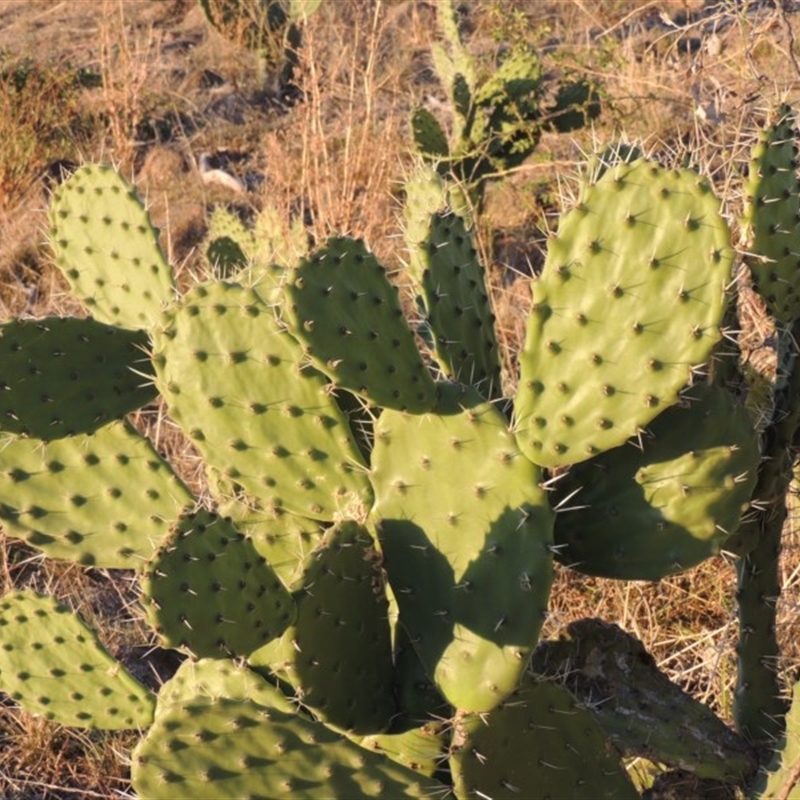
{"x": 53, "y": 665}
{"x": 604, "y": 355}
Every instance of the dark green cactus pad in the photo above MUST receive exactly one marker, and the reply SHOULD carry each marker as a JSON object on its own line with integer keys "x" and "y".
{"x": 780, "y": 780}
{"x": 772, "y": 217}
{"x": 458, "y": 307}
{"x": 235, "y": 749}
{"x": 644, "y": 714}
{"x": 343, "y": 309}
{"x": 209, "y": 592}
{"x": 429, "y": 138}
{"x": 539, "y": 743}
{"x": 643, "y": 514}
{"x": 338, "y": 653}
{"x": 229, "y": 244}
{"x": 630, "y": 300}
{"x": 104, "y": 499}
{"x": 64, "y": 376}
{"x": 107, "y": 248}
{"x": 210, "y": 679}
{"x": 466, "y": 534}
{"x": 285, "y": 540}
{"x": 52, "y": 664}
{"x": 233, "y": 381}
{"x": 417, "y": 696}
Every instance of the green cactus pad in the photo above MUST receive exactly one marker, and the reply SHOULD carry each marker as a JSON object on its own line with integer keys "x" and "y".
{"x": 338, "y": 653}
{"x": 630, "y": 300}
{"x": 104, "y": 499}
{"x": 348, "y": 316}
{"x": 285, "y": 540}
{"x": 465, "y": 531}
{"x": 234, "y": 749}
{"x": 209, "y": 592}
{"x": 781, "y": 778}
{"x": 232, "y": 380}
{"x": 65, "y": 376}
{"x": 52, "y": 664}
{"x": 772, "y": 217}
{"x": 642, "y": 711}
{"x": 229, "y": 244}
{"x": 422, "y": 749}
{"x": 107, "y": 248}
{"x": 643, "y": 514}
{"x": 210, "y": 679}
{"x": 539, "y": 743}
{"x": 459, "y": 311}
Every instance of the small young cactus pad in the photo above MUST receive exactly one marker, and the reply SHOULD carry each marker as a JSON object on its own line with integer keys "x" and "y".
{"x": 106, "y": 246}
{"x": 53, "y": 665}
{"x": 630, "y": 300}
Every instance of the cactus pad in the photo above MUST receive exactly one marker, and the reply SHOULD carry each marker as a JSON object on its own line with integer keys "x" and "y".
{"x": 459, "y": 311}
{"x": 338, "y": 653}
{"x": 468, "y": 558}
{"x": 209, "y": 591}
{"x": 631, "y": 298}
{"x": 348, "y": 316}
{"x": 107, "y": 248}
{"x": 781, "y": 779}
{"x": 234, "y": 749}
{"x": 104, "y": 499}
{"x": 643, "y": 514}
{"x": 772, "y": 217}
{"x": 65, "y": 376}
{"x": 233, "y": 382}
{"x": 539, "y": 743}
{"x": 53, "y": 665}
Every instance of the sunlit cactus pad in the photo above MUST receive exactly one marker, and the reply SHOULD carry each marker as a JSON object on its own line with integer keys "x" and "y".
{"x": 641, "y": 514}
{"x": 348, "y": 316}
{"x": 235, "y": 749}
{"x": 233, "y": 380}
{"x": 772, "y": 217}
{"x": 465, "y": 531}
{"x": 53, "y": 664}
{"x": 208, "y": 590}
{"x": 631, "y": 298}
{"x": 107, "y": 248}
{"x": 63, "y": 376}
{"x": 104, "y": 499}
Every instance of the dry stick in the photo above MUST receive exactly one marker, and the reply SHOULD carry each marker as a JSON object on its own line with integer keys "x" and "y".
{"x": 759, "y": 708}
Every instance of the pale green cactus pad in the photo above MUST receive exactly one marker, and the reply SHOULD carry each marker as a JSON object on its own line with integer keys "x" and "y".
{"x": 631, "y": 298}
{"x": 52, "y": 664}
{"x": 465, "y": 531}
{"x": 105, "y": 499}
{"x": 233, "y": 381}
{"x": 107, "y": 248}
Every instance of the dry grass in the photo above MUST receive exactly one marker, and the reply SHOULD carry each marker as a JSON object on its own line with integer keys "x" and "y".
{"x": 166, "y": 88}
